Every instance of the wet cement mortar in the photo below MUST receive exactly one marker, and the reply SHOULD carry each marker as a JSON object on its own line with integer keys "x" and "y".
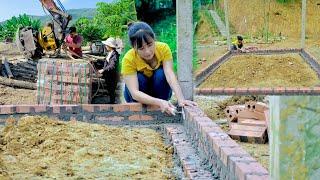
{"x": 213, "y": 106}
{"x": 286, "y": 70}
{"x": 39, "y": 147}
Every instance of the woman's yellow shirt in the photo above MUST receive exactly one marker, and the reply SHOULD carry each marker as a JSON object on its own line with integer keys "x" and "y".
{"x": 133, "y": 63}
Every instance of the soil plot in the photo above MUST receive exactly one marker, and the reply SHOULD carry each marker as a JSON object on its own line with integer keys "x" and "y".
{"x": 288, "y": 70}
{"x": 37, "y": 147}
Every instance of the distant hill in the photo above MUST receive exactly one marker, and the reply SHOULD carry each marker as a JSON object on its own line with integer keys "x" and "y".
{"x": 75, "y": 13}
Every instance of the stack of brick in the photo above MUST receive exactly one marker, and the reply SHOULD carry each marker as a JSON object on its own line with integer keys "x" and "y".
{"x": 64, "y": 82}
{"x": 249, "y": 122}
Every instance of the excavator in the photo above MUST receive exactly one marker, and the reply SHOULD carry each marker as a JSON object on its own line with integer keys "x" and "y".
{"x": 32, "y": 42}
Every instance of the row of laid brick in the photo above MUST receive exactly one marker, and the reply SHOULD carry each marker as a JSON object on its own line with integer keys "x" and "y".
{"x": 199, "y": 76}
{"x": 259, "y": 91}
{"x": 90, "y": 108}
{"x": 269, "y": 51}
{"x": 203, "y": 74}
{"x": 124, "y": 114}
{"x": 223, "y": 152}
{"x": 186, "y": 154}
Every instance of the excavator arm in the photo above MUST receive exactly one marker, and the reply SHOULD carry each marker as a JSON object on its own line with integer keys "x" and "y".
{"x": 32, "y": 42}
{"x": 60, "y": 17}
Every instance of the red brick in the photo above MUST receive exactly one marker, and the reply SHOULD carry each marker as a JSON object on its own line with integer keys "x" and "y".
{"x": 206, "y": 130}
{"x": 230, "y": 91}
{"x": 139, "y": 117}
{"x": 257, "y": 177}
{"x": 205, "y": 91}
{"x": 243, "y": 169}
{"x": 246, "y": 114}
{"x": 135, "y": 107}
{"x": 109, "y": 118}
{"x": 120, "y": 107}
{"x": 104, "y": 107}
{"x": 153, "y": 108}
{"x": 305, "y": 90}
{"x": 292, "y": 90}
{"x": 254, "y": 134}
{"x": 69, "y": 108}
{"x": 40, "y": 108}
{"x": 88, "y": 107}
{"x": 192, "y": 112}
{"x": 241, "y": 90}
{"x": 316, "y": 90}
{"x": 233, "y": 160}
{"x": 197, "y": 91}
{"x": 56, "y": 109}
{"x": 218, "y": 135}
{"x": 279, "y": 90}
{"x": 6, "y": 109}
{"x": 267, "y": 90}
{"x": 227, "y": 152}
{"x": 266, "y": 113}
{"x": 253, "y": 90}
{"x": 244, "y": 127}
{"x": 259, "y": 106}
{"x": 219, "y": 90}
{"x": 251, "y": 122}
{"x": 217, "y": 143}
{"x": 23, "y": 108}
{"x": 201, "y": 119}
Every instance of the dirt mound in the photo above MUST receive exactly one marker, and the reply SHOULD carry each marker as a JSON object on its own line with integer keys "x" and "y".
{"x": 9, "y": 95}
{"x": 41, "y": 147}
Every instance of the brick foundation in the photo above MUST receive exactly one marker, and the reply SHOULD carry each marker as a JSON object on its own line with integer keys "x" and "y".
{"x": 202, "y": 148}
{"x": 205, "y": 73}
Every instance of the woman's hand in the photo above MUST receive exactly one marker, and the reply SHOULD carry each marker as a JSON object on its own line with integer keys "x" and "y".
{"x": 184, "y": 103}
{"x": 167, "y": 107}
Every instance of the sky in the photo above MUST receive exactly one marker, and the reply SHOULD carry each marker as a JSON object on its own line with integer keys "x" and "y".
{"x": 9, "y": 8}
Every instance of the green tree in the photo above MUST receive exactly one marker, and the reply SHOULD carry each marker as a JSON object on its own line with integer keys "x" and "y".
{"x": 89, "y": 30}
{"x": 113, "y": 17}
{"x": 10, "y": 27}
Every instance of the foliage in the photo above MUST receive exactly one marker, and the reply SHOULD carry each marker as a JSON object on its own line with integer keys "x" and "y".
{"x": 113, "y": 17}
{"x": 89, "y": 30}
{"x": 286, "y": 1}
{"x": 165, "y": 31}
{"x": 10, "y": 27}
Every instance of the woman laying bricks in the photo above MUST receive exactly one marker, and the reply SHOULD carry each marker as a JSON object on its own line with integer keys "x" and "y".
{"x": 147, "y": 70}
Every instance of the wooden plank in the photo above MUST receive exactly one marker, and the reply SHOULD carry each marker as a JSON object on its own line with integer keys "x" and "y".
{"x": 17, "y": 83}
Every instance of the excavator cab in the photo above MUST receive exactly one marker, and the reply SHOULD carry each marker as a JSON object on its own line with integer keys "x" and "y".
{"x": 32, "y": 42}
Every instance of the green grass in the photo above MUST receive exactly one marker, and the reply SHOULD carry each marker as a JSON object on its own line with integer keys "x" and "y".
{"x": 166, "y": 32}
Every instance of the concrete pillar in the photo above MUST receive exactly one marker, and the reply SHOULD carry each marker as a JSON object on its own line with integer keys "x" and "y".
{"x": 295, "y": 137}
{"x": 226, "y": 12}
{"x": 303, "y": 23}
{"x": 185, "y": 47}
